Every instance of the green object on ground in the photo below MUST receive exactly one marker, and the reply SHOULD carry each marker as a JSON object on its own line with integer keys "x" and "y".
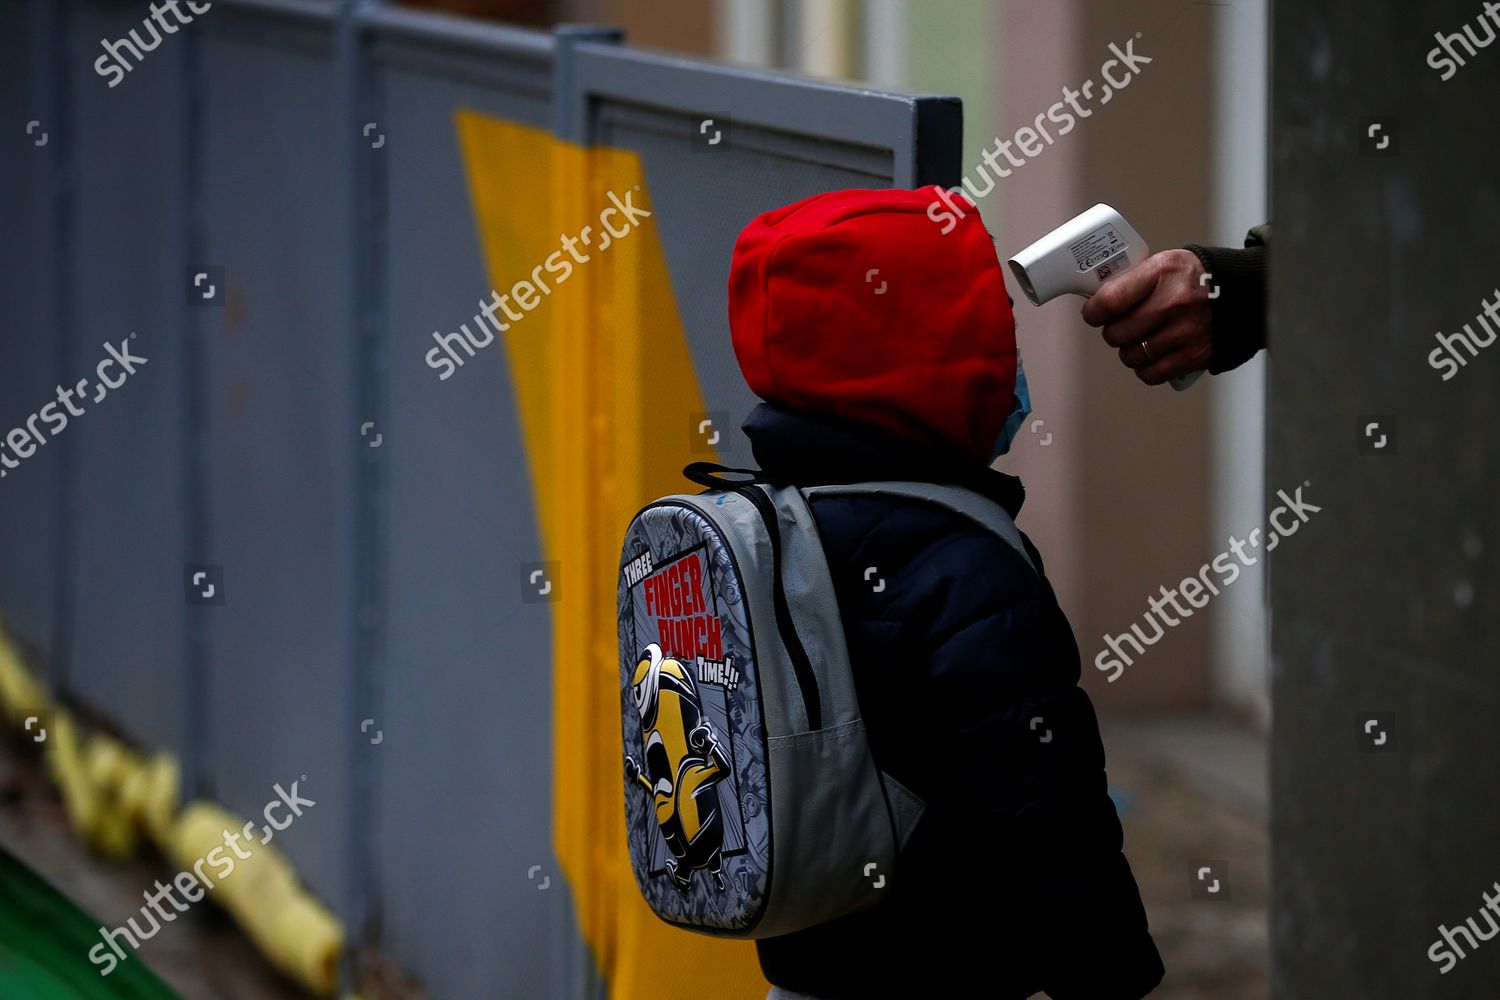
{"x": 44, "y": 947}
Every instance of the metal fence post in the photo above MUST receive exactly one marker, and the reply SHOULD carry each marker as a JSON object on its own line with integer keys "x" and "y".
{"x": 197, "y": 533}
{"x": 49, "y": 41}
{"x": 359, "y": 104}
{"x": 570, "y": 105}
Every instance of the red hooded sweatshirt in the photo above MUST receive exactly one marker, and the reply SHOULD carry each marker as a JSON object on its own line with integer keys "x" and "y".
{"x": 854, "y": 304}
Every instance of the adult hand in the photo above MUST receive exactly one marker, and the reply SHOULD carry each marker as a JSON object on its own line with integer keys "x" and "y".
{"x": 1157, "y": 315}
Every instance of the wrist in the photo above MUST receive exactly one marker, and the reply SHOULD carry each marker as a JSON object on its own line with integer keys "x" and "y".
{"x": 1237, "y": 284}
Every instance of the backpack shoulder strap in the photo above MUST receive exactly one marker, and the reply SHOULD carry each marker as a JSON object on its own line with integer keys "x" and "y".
{"x": 976, "y": 507}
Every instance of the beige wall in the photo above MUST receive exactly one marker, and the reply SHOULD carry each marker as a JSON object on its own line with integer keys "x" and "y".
{"x": 1144, "y": 471}
{"x": 678, "y": 25}
{"x": 1119, "y": 501}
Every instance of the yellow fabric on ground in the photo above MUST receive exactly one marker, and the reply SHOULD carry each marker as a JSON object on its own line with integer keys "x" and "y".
{"x": 290, "y": 927}
{"x": 115, "y": 798}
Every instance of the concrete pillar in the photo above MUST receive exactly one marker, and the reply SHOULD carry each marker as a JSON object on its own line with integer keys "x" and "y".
{"x": 1386, "y": 739}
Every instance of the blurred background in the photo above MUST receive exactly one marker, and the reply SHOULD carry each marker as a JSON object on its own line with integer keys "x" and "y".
{"x": 351, "y": 180}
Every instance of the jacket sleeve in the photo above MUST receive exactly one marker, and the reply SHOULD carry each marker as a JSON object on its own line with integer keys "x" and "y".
{"x": 1026, "y": 767}
{"x": 1239, "y": 311}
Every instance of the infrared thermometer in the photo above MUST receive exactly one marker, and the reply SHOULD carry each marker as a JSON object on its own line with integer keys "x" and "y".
{"x": 1079, "y": 256}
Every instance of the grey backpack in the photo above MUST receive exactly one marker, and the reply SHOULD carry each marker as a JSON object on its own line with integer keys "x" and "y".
{"x": 752, "y": 805}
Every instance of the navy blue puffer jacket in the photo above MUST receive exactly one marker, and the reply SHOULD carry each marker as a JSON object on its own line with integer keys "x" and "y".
{"x": 967, "y": 675}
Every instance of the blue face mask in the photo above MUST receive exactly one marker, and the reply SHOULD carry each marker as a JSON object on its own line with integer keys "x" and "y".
{"x": 1018, "y": 415}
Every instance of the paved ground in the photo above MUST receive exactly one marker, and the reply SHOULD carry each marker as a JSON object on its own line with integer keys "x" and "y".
{"x": 1190, "y": 790}
{"x": 1195, "y": 791}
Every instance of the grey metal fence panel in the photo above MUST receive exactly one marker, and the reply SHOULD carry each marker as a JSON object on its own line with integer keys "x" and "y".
{"x": 356, "y": 568}
{"x": 466, "y": 698}
{"x": 30, "y": 494}
{"x": 128, "y": 511}
{"x": 280, "y": 413}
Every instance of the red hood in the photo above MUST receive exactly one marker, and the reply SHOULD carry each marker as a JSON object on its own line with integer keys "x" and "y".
{"x": 855, "y": 304}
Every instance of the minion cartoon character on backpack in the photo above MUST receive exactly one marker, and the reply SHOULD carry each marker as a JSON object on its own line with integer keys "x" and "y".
{"x": 681, "y": 767}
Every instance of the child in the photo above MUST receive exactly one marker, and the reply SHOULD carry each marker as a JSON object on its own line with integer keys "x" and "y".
{"x": 885, "y": 350}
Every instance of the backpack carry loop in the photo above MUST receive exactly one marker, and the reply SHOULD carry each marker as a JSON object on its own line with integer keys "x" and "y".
{"x": 709, "y": 476}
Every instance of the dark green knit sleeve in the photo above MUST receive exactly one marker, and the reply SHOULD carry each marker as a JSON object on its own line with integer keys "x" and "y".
{"x": 1239, "y": 310}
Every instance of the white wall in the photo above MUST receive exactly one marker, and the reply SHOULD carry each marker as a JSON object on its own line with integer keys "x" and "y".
{"x": 1241, "y": 656}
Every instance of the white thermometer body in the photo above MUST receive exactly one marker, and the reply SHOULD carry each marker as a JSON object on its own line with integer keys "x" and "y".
{"x": 1079, "y": 256}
